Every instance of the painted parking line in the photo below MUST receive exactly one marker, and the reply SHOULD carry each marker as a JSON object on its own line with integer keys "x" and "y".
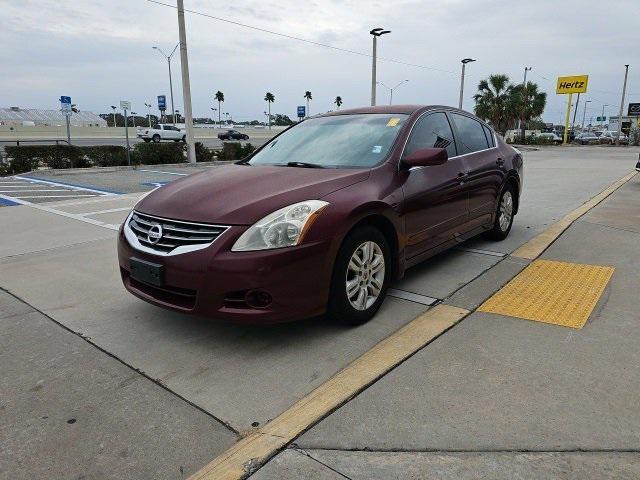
{"x": 55, "y": 211}
{"x": 73, "y": 186}
{"x": 164, "y": 173}
{"x": 254, "y": 450}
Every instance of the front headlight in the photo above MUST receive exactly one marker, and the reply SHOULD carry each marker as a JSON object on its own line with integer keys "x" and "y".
{"x": 283, "y": 228}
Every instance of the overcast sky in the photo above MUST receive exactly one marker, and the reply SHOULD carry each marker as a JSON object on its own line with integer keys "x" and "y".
{"x": 99, "y": 52}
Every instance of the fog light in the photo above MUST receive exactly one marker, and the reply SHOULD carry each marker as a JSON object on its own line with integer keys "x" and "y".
{"x": 258, "y": 299}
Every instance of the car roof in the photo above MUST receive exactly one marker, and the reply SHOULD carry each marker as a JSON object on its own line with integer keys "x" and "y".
{"x": 400, "y": 109}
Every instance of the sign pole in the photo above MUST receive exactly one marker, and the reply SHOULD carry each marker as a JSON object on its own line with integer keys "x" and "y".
{"x": 126, "y": 134}
{"x": 566, "y": 120}
{"x": 67, "y": 115}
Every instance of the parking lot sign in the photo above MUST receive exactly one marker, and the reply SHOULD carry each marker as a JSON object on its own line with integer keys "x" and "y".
{"x": 634, "y": 110}
{"x": 65, "y": 104}
{"x": 572, "y": 84}
{"x": 162, "y": 102}
{"x": 301, "y": 111}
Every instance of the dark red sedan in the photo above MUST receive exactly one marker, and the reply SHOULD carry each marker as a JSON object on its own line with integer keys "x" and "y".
{"x": 322, "y": 218}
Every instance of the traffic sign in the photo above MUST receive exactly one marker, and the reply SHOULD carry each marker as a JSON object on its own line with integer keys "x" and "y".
{"x": 162, "y": 102}
{"x": 301, "y": 111}
{"x": 125, "y": 105}
{"x": 601, "y": 119}
{"x": 65, "y": 105}
{"x": 634, "y": 110}
{"x": 572, "y": 84}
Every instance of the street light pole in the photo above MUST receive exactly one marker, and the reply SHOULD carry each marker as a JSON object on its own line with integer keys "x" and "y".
{"x": 168, "y": 57}
{"x": 602, "y": 117}
{"x": 584, "y": 113}
{"x": 391, "y": 89}
{"x": 464, "y": 64}
{"x": 148, "y": 105}
{"x": 186, "y": 86}
{"x": 114, "y": 114}
{"x": 376, "y": 32}
{"x": 624, "y": 91}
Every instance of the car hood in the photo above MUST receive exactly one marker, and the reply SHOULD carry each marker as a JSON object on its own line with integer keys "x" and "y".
{"x": 242, "y": 194}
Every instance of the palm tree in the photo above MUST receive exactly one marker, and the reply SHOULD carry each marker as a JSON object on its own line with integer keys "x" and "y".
{"x": 220, "y": 98}
{"x": 269, "y": 98}
{"x": 493, "y": 101}
{"x": 338, "y": 101}
{"x": 307, "y": 95}
{"x": 528, "y": 102}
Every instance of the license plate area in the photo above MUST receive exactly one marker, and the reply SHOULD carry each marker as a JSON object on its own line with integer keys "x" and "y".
{"x": 146, "y": 272}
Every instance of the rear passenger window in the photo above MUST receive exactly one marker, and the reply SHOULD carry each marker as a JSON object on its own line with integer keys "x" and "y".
{"x": 471, "y": 137}
{"x": 489, "y": 134}
{"x": 431, "y": 131}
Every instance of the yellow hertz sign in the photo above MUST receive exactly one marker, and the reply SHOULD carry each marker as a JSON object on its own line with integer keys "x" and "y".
{"x": 573, "y": 84}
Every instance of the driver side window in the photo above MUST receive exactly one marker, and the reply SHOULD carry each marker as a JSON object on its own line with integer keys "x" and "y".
{"x": 431, "y": 131}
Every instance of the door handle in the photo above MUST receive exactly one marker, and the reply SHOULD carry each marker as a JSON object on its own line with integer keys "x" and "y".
{"x": 500, "y": 161}
{"x": 462, "y": 176}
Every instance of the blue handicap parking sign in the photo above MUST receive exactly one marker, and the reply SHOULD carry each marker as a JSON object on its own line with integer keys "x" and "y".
{"x": 301, "y": 111}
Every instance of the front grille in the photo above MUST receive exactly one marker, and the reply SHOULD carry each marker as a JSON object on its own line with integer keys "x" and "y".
{"x": 174, "y": 233}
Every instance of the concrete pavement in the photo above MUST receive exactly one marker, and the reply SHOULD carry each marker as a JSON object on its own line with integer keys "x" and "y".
{"x": 489, "y": 382}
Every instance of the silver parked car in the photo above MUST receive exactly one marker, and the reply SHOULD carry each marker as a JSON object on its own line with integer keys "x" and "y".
{"x": 586, "y": 138}
{"x": 610, "y": 138}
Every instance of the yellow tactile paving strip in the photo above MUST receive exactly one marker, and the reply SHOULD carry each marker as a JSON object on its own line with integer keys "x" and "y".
{"x": 554, "y": 292}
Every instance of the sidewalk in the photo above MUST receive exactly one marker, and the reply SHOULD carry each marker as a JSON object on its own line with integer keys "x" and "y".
{"x": 501, "y": 397}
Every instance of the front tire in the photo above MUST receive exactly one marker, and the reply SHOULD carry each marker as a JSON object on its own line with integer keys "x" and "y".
{"x": 360, "y": 278}
{"x": 156, "y": 138}
{"x": 504, "y": 215}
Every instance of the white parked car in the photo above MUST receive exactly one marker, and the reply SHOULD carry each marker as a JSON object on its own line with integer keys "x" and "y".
{"x": 552, "y": 137}
{"x": 161, "y": 132}
{"x": 610, "y": 138}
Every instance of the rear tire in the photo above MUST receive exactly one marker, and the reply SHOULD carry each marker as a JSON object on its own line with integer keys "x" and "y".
{"x": 361, "y": 276}
{"x": 184, "y": 138}
{"x": 504, "y": 215}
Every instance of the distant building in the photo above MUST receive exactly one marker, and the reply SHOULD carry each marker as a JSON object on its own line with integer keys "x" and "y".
{"x": 15, "y": 116}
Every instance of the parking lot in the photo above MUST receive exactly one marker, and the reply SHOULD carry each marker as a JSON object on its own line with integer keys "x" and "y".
{"x": 97, "y": 383}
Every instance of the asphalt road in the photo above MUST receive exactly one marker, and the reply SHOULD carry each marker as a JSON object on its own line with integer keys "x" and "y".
{"x": 495, "y": 396}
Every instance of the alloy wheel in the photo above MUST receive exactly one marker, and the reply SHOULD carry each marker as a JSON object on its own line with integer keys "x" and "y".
{"x": 506, "y": 211}
{"x": 365, "y": 275}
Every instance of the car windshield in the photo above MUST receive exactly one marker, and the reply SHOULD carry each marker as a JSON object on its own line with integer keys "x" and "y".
{"x": 340, "y": 141}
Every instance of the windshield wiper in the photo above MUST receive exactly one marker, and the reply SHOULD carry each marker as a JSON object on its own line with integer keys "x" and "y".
{"x": 303, "y": 165}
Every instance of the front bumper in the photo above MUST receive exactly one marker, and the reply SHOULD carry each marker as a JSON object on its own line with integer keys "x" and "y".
{"x": 210, "y": 281}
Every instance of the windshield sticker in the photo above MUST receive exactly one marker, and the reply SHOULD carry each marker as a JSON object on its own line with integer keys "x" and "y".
{"x": 393, "y": 122}
{"x": 377, "y": 149}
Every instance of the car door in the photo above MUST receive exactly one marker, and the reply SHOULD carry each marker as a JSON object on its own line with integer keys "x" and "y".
{"x": 485, "y": 167}
{"x": 435, "y": 200}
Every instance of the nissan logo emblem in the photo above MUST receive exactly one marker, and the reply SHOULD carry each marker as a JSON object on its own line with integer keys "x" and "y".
{"x": 155, "y": 233}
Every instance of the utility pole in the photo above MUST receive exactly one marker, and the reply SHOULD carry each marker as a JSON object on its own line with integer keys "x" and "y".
{"x": 584, "y": 113}
{"x": 575, "y": 110}
{"x": 524, "y": 84}
{"x": 186, "y": 87}
{"x": 464, "y": 64}
{"x": 624, "y": 91}
{"x": 376, "y": 32}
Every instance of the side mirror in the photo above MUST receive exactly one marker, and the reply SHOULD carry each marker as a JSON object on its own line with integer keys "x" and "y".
{"x": 426, "y": 157}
